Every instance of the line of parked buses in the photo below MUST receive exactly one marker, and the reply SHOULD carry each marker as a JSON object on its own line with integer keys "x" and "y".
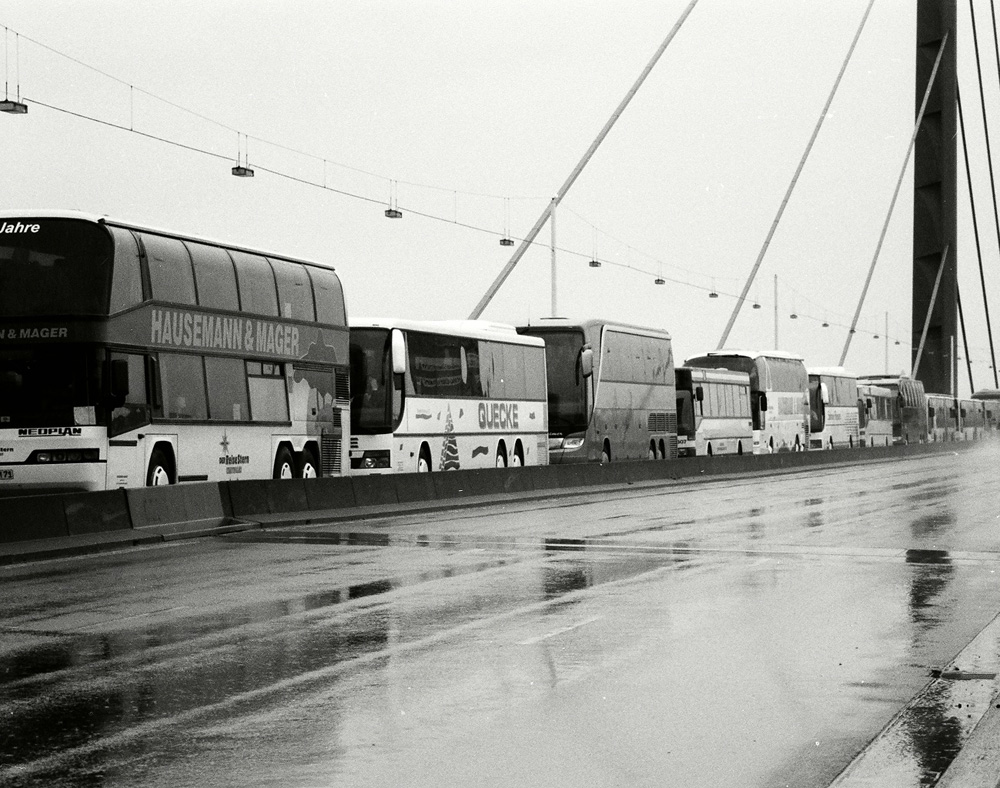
{"x": 133, "y": 356}
{"x": 611, "y": 391}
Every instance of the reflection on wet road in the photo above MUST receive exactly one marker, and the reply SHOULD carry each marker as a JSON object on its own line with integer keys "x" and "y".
{"x": 738, "y": 632}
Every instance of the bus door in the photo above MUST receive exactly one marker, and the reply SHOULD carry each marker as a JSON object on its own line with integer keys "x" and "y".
{"x": 129, "y": 415}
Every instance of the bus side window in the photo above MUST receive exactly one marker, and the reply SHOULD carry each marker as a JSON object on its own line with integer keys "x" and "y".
{"x": 170, "y": 272}
{"x": 215, "y": 276}
{"x": 227, "y": 389}
{"x": 268, "y": 392}
{"x": 258, "y": 293}
{"x": 183, "y": 380}
{"x": 134, "y": 411}
{"x": 329, "y": 296}
{"x": 295, "y": 295}
{"x": 126, "y": 277}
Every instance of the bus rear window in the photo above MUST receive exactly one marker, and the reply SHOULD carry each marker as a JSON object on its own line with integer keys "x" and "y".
{"x": 54, "y": 267}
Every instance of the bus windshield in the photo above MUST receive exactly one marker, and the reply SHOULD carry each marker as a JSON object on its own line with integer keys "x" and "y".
{"x": 50, "y": 387}
{"x": 370, "y": 381}
{"x": 567, "y": 387}
{"x": 54, "y": 267}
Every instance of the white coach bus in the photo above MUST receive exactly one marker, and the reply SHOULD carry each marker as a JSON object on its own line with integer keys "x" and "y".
{"x": 833, "y": 408}
{"x": 713, "y": 412}
{"x": 443, "y": 395}
{"x": 612, "y": 394}
{"x": 779, "y": 395}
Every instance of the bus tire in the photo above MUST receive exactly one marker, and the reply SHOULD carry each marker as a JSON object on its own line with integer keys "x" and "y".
{"x": 739, "y": 448}
{"x": 161, "y": 469}
{"x": 424, "y": 460}
{"x": 517, "y": 460}
{"x": 501, "y": 455}
{"x": 710, "y": 450}
{"x": 606, "y": 453}
{"x": 663, "y": 450}
{"x": 308, "y": 467}
{"x": 284, "y": 464}
{"x": 652, "y": 450}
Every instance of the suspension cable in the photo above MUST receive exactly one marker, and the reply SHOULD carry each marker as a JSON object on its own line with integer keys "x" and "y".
{"x": 892, "y": 203}
{"x": 993, "y": 186}
{"x": 791, "y": 186}
{"x": 975, "y": 232}
{"x": 927, "y": 318}
{"x": 550, "y": 208}
{"x": 965, "y": 338}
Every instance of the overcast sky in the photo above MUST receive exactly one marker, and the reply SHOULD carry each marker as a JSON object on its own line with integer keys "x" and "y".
{"x": 470, "y": 115}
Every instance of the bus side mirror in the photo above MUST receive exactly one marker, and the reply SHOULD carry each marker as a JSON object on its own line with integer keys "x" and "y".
{"x": 398, "y": 352}
{"x": 763, "y": 401}
{"x": 118, "y": 389}
{"x": 587, "y": 362}
{"x": 868, "y": 404}
{"x": 699, "y": 394}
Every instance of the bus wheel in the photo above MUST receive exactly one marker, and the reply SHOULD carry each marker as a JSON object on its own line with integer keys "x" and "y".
{"x": 501, "y": 455}
{"x": 517, "y": 460}
{"x": 308, "y": 467}
{"x": 739, "y": 448}
{"x": 663, "y": 451}
{"x": 606, "y": 453}
{"x": 160, "y": 468}
{"x": 770, "y": 446}
{"x": 284, "y": 465}
{"x": 710, "y": 450}
{"x": 424, "y": 461}
{"x": 652, "y": 450}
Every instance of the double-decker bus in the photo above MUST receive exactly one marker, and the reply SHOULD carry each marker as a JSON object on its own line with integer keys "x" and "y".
{"x": 612, "y": 392}
{"x": 991, "y": 409}
{"x": 130, "y": 356}
{"x": 877, "y": 408}
{"x": 833, "y": 408}
{"x": 713, "y": 412}
{"x": 779, "y": 395}
{"x": 444, "y": 395}
{"x": 910, "y": 421}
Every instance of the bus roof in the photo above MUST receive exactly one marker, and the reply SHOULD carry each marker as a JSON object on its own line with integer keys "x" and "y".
{"x": 833, "y": 372}
{"x": 751, "y": 354}
{"x": 592, "y": 322}
{"x": 987, "y": 394}
{"x": 34, "y": 213}
{"x": 473, "y": 329}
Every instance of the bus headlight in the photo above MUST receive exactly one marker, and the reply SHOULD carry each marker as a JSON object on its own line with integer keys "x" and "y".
{"x": 64, "y": 455}
{"x": 370, "y": 460}
{"x": 572, "y": 443}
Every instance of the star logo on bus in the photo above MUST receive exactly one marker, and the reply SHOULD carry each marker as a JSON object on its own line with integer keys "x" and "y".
{"x": 225, "y": 443}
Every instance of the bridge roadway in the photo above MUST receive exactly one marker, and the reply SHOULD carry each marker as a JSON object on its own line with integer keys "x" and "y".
{"x": 831, "y": 625}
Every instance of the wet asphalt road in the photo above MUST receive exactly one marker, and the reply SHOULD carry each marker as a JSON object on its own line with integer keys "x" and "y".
{"x": 740, "y": 632}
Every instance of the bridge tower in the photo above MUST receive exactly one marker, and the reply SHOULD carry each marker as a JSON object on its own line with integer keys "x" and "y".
{"x": 935, "y": 223}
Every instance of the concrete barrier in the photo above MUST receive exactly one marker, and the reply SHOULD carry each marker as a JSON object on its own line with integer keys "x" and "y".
{"x": 37, "y": 517}
{"x": 330, "y": 493}
{"x": 99, "y": 512}
{"x": 204, "y": 506}
{"x": 182, "y": 506}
